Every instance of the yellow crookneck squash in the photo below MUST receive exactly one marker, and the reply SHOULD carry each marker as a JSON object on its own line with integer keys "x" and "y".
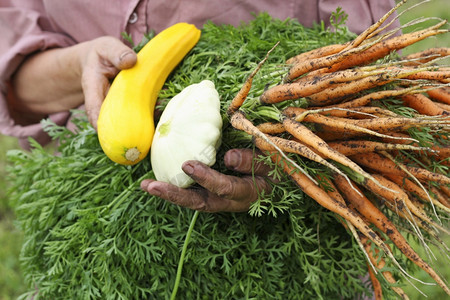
{"x": 125, "y": 124}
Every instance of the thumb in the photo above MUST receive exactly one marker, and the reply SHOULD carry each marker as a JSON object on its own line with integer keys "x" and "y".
{"x": 115, "y": 52}
{"x": 127, "y": 59}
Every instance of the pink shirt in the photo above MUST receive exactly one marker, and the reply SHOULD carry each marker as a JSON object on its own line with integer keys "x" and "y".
{"x": 28, "y": 26}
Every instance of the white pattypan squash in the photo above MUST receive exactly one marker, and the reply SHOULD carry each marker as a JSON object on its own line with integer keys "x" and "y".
{"x": 189, "y": 129}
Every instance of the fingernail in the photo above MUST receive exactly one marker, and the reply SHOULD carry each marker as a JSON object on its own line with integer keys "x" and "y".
{"x": 155, "y": 191}
{"x": 188, "y": 169}
{"x": 145, "y": 184}
{"x": 124, "y": 54}
{"x": 233, "y": 158}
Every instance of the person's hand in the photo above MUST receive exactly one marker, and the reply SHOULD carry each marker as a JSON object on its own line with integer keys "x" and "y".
{"x": 75, "y": 75}
{"x": 104, "y": 58}
{"x": 218, "y": 192}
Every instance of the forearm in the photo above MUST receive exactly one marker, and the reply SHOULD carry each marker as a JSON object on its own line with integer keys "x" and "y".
{"x": 61, "y": 79}
{"x": 48, "y": 82}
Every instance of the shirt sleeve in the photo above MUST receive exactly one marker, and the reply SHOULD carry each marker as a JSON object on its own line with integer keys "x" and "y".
{"x": 25, "y": 30}
{"x": 361, "y": 13}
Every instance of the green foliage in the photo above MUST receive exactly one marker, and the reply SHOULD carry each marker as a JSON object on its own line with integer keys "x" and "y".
{"x": 91, "y": 233}
{"x": 11, "y": 281}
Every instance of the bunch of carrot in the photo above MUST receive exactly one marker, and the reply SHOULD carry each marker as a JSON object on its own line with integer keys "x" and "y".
{"x": 369, "y": 149}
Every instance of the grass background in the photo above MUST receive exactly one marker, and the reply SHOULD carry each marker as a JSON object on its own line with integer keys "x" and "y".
{"x": 11, "y": 278}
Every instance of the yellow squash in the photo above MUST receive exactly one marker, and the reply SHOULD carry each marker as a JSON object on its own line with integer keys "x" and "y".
{"x": 125, "y": 124}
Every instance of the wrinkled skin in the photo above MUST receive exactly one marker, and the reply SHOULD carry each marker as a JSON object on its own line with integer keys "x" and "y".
{"x": 217, "y": 192}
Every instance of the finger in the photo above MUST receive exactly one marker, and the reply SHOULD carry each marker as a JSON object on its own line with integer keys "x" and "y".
{"x": 243, "y": 161}
{"x": 193, "y": 198}
{"x": 244, "y": 189}
{"x": 127, "y": 59}
{"x": 106, "y": 58}
{"x": 95, "y": 87}
{"x": 113, "y": 52}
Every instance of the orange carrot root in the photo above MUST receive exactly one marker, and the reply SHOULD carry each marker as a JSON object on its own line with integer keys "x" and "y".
{"x": 441, "y": 94}
{"x": 316, "y": 53}
{"x": 378, "y": 95}
{"x": 380, "y": 264}
{"x": 309, "y": 86}
{"x": 423, "y": 105}
{"x": 353, "y": 147}
{"x": 440, "y": 75}
{"x": 271, "y": 128}
{"x": 384, "y": 165}
{"x": 425, "y": 56}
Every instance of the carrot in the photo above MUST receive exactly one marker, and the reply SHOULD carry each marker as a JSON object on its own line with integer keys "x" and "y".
{"x": 352, "y": 147}
{"x": 444, "y": 106}
{"x": 377, "y": 218}
{"x": 271, "y": 128}
{"x": 370, "y": 126}
{"x": 333, "y": 192}
{"x": 442, "y": 75}
{"x": 384, "y": 165}
{"x": 441, "y": 152}
{"x": 441, "y": 195}
{"x": 376, "y": 285}
{"x": 423, "y": 105}
{"x": 309, "y": 86}
{"x": 303, "y": 134}
{"x": 383, "y": 48}
{"x": 332, "y": 204}
{"x": 291, "y": 146}
{"x": 445, "y": 190}
{"x": 240, "y": 97}
{"x": 371, "y": 30}
{"x": 304, "y": 67}
{"x": 377, "y": 95}
{"x": 239, "y": 121}
{"x": 390, "y": 124}
{"x": 331, "y": 189}
{"x": 441, "y": 94}
{"x": 400, "y": 199}
{"x": 340, "y": 92}
{"x": 355, "y": 112}
{"x": 425, "y": 56}
{"x": 333, "y": 133}
{"x": 414, "y": 188}
{"x": 329, "y": 134}
{"x": 316, "y": 53}
{"x": 380, "y": 263}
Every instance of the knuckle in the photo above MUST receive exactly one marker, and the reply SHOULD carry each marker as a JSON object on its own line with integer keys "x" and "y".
{"x": 200, "y": 206}
{"x": 225, "y": 188}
